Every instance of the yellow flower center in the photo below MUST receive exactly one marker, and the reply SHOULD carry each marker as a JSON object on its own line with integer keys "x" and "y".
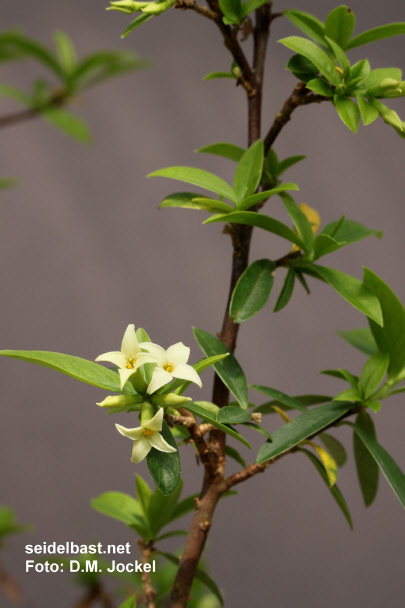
{"x": 131, "y": 363}
{"x": 147, "y": 432}
{"x": 168, "y": 367}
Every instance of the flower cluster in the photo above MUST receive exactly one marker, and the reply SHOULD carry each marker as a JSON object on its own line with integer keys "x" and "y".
{"x": 168, "y": 364}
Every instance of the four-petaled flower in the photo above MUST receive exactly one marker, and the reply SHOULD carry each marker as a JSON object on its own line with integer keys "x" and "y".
{"x": 170, "y": 363}
{"x": 129, "y": 358}
{"x": 146, "y": 437}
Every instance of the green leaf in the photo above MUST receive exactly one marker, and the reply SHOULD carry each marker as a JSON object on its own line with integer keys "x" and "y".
{"x": 226, "y": 150}
{"x": 303, "y": 400}
{"x": 120, "y": 506}
{"x": 197, "y": 177}
{"x": 366, "y": 466}
{"x": 251, "y": 218}
{"x": 27, "y": 48}
{"x": 7, "y": 182}
{"x": 390, "y": 338}
{"x": 103, "y": 65}
{"x": 324, "y": 244}
{"x": 339, "y": 25}
{"x": 228, "y": 369}
{"x": 301, "y": 222}
{"x": 334, "y": 490}
{"x": 250, "y": 6}
{"x": 340, "y": 55}
{"x": 358, "y": 294}
{"x": 348, "y": 112}
{"x": 129, "y": 603}
{"x": 136, "y": 23}
{"x": 373, "y": 373}
{"x": 215, "y": 75}
{"x": 184, "y": 507}
{"x": 259, "y": 429}
{"x": 286, "y": 291}
{"x": 336, "y": 449}
{"x": 286, "y": 164}
{"x": 362, "y": 339}
{"x": 316, "y": 55}
{"x": 9, "y": 524}
{"x": 6, "y": 90}
{"x": 351, "y": 394}
{"x": 164, "y": 467}
{"x": 342, "y": 374}
{"x": 249, "y": 171}
{"x": 377, "y": 33}
{"x": 302, "y": 68}
{"x": 232, "y": 453}
{"x": 65, "y": 50}
{"x": 232, "y": 10}
{"x": 172, "y": 534}
{"x": 161, "y": 507}
{"x": 208, "y": 412}
{"x": 252, "y": 290}
{"x": 279, "y": 397}
{"x": 144, "y": 495}
{"x": 303, "y": 426}
{"x": 320, "y": 86}
{"x": 349, "y": 231}
{"x": 253, "y": 199}
{"x": 368, "y": 112}
{"x": 232, "y": 414}
{"x": 191, "y": 200}
{"x": 374, "y": 405}
{"x": 199, "y": 575}
{"x": 307, "y": 23}
{"x": 69, "y": 123}
{"x": 80, "y": 369}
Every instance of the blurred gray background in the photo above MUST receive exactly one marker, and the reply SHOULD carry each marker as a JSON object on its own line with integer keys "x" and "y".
{"x": 84, "y": 252}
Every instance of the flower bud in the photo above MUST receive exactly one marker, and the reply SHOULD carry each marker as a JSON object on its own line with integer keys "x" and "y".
{"x": 147, "y": 412}
{"x": 121, "y": 401}
{"x": 157, "y": 8}
{"x": 126, "y": 6}
{"x": 257, "y": 417}
{"x": 169, "y": 400}
{"x": 385, "y": 88}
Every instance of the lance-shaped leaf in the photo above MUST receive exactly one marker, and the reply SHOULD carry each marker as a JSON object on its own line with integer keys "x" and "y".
{"x": 300, "y": 221}
{"x": 253, "y": 199}
{"x": 349, "y": 231}
{"x": 261, "y": 221}
{"x": 136, "y": 23}
{"x": 368, "y": 112}
{"x": 339, "y": 25}
{"x": 192, "y": 200}
{"x": 287, "y": 163}
{"x": 302, "y": 427}
{"x": 124, "y": 508}
{"x": 388, "y": 466}
{"x": 362, "y": 339}
{"x": 336, "y": 493}
{"x": 307, "y": 23}
{"x": 286, "y": 290}
{"x": 228, "y": 369}
{"x": 348, "y": 111}
{"x": 304, "y": 400}
{"x": 231, "y": 10}
{"x": 316, "y": 55}
{"x": 302, "y": 68}
{"x": 320, "y": 87}
{"x": 373, "y": 373}
{"x": 164, "y": 467}
{"x": 208, "y": 412}
{"x": 334, "y": 446}
{"x": 27, "y": 48}
{"x": 377, "y": 33}
{"x": 76, "y": 367}
{"x": 234, "y": 454}
{"x": 197, "y": 177}
{"x": 358, "y": 294}
{"x": 224, "y": 149}
{"x": 327, "y": 462}
{"x": 366, "y": 466}
{"x": 69, "y": 123}
{"x": 390, "y": 338}
{"x": 279, "y": 397}
{"x": 231, "y": 414}
{"x": 249, "y": 171}
{"x": 202, "y": 576}
{"x": 252, "y": 290}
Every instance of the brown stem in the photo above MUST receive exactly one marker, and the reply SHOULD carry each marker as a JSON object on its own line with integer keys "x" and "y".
{"x": 57, "y": 99}
{"x": 149, "y": 593}
{"x": 11, "y": 589}
{"x": 194, "y": 6}
{"x": 96, "y": 595}
{"x": 299, "y": 97}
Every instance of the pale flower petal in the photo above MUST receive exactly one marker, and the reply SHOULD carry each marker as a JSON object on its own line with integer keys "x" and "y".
{"x": 143, "y": 358}
{"x": 177, "y": 354}
{"x": 156, "y": 351}
{"x": 159, "y": 378}
{"x": 156, "y": 441}
{"x": 125, "y": 374}
{"x": 140, "y": 450}
{"x": 135, "y": 434}
{"x": 115, "y": 357}
{"x": 130, "y": 346}
{"x": 186, "y": 372}
{"x": 155, "y": 423}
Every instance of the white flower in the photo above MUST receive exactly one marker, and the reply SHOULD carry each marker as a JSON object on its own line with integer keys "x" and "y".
{"x": 129, "y": 358}
{"x": 146, "y": 437}
{"x": 170, "y": 363}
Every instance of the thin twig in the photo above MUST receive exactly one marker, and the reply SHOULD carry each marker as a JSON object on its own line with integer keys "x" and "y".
{"x": 194, "y": 6}
{"x": 148, "y": 591}
{"x": 57, "y": 99}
